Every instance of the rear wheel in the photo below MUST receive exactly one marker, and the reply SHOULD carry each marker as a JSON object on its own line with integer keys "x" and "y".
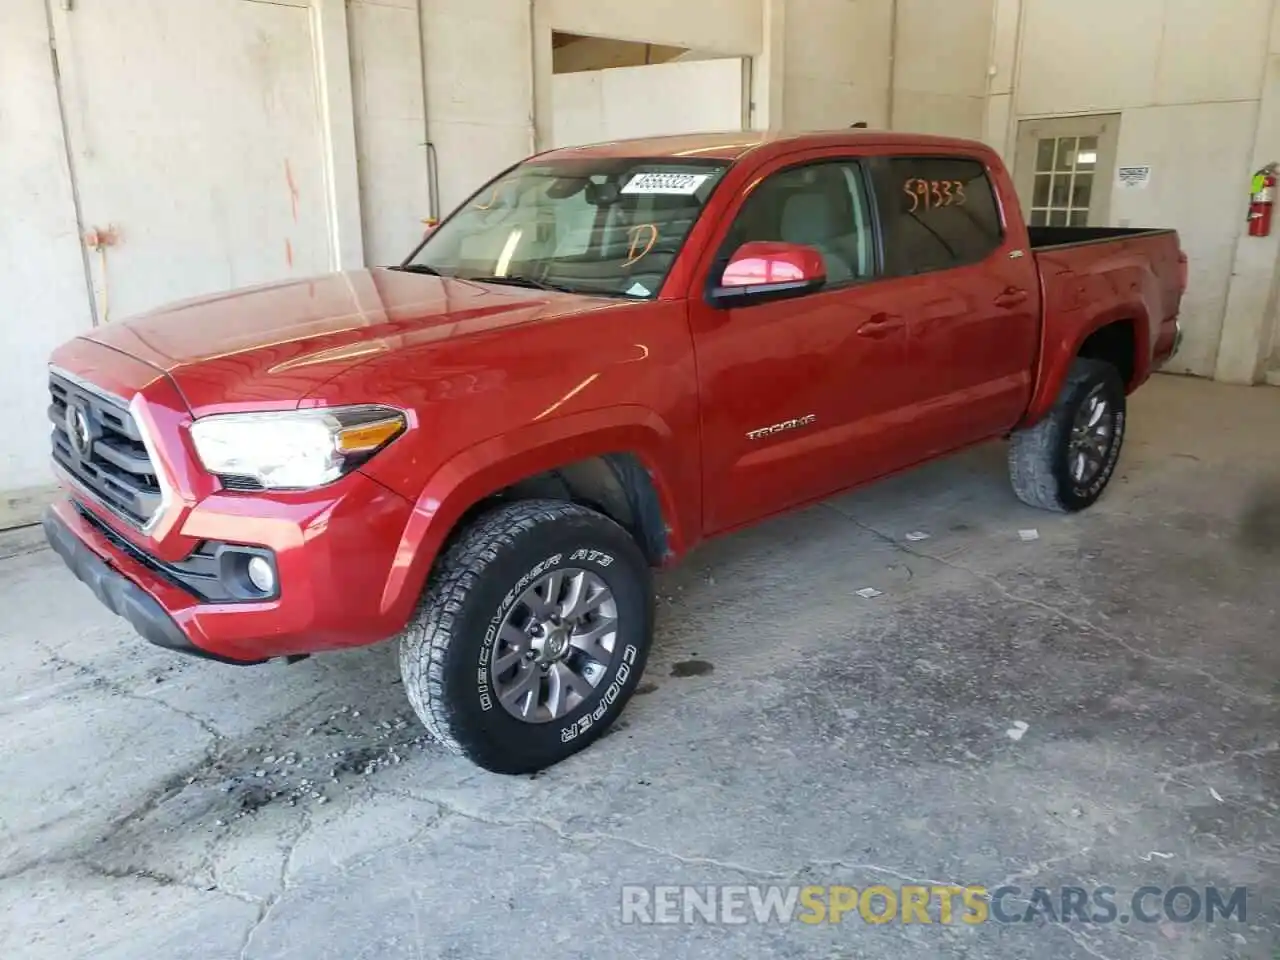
{"x": 1066, "y": 460}
{"x": 532, "y": 635}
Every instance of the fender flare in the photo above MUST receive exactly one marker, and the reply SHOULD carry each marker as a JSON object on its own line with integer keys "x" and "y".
{"x": 1057, "y": 354}
{"x": 482, "y": 470}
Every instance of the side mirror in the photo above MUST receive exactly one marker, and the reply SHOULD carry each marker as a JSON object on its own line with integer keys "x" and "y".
{"x": 768, "y": 270}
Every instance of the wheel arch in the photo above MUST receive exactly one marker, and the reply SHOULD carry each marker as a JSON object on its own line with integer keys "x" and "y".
{"x": 617, "y": 484}
{"x": 1116, "y": 343}
{"x": 1120, "y": 336}
{"x": 620, "y": 461}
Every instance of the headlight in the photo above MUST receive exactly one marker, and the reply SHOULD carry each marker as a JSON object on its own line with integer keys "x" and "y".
{"x": 296, "y": 449}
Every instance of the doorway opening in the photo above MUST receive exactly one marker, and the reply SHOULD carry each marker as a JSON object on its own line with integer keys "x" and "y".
{"x": 606, "y": 89}
{"x": 573, "y": 53}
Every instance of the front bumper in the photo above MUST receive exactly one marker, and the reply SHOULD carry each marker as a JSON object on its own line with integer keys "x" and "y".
{"x": 335, "y": 551}
{"x": 118, "y": 594}
{"x": 339, "y": 550}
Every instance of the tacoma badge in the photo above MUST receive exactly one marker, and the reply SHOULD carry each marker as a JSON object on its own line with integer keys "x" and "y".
{"x": 805, "y": 421}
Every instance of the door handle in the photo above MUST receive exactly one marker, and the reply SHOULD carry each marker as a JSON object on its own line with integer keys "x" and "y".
{"x": 880, "y": 326}
{"x": 1012, "y": 297}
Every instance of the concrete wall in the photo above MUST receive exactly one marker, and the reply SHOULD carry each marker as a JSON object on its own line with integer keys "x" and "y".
{"x": 1250, "y": 343}
{"x": 390, "y": 124}
{"x": 940, "y": 66}
{"x": 42, "y": 273}
{"x": 998, "y": 128}
{"x": 1187, "y": 80}
{"x": 915, "y": 65}
{"x": 836, "y": 63}
{"x": 479, "y": 79}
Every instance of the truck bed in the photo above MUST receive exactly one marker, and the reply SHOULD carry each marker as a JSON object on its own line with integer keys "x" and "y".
{"x": 1090, "y": 276}
{"x": 1043, "y": 238}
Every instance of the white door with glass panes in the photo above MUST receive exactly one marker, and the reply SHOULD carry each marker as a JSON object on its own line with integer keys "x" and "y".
{"x": 1063, "y": 169}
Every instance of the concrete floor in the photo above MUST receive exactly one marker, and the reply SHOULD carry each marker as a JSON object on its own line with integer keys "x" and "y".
{"x": 789, "y": 731}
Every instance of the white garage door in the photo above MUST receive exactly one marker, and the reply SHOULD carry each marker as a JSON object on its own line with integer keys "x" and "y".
{"x": 691, "y": 96}
{"x": 196, "y": 135}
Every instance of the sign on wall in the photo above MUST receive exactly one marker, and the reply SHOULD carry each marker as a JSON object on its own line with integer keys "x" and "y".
{"x": 1134, "y": 177}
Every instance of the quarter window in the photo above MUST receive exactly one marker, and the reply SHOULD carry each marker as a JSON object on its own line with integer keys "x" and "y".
{"x": 938, "y": 212}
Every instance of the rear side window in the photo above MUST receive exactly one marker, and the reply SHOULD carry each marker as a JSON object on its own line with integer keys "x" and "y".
{"x": 938, "y": 212}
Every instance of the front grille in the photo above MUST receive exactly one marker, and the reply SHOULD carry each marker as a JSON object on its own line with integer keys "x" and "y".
{"x": 106, "y": 456}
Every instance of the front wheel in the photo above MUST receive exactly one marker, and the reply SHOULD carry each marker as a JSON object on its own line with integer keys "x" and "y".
{"x": 532, "y": 635}
{"x": 1066, "y": 460}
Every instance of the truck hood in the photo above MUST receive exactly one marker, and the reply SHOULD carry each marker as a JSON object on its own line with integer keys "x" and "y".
{"x": 276, "y": 344}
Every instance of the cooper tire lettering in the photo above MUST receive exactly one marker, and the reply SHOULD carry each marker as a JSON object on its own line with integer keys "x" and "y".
{"x": 608, "y": 698}
{"x": 592, "y": 556}
{"x": 486, "y": 648}
{"x": 448, "y": 652}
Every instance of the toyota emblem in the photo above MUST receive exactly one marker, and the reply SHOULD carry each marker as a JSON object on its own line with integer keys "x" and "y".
{"x": 78, "y": 432}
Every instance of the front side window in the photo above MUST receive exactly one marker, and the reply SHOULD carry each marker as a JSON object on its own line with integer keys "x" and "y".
{"x": 591, "y": 225}
{"x": 938, "y": 212}
{"x": 820, "y": 205}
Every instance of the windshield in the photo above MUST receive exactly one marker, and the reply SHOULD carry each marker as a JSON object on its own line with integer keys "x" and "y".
{"x": 594, "y": 225}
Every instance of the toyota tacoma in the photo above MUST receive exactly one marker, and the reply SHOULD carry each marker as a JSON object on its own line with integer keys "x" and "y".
{"x": 604, "y": 356}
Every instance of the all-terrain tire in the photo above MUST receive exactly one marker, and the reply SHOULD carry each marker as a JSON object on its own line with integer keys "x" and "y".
{"x": 1039, "y": 455}
{"x": 446, "y": 648}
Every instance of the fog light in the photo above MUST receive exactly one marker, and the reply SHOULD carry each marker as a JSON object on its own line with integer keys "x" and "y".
{"x": 261, "y": 574}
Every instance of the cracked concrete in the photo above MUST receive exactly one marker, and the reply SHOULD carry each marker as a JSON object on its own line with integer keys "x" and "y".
{"x": 790, "y": 732}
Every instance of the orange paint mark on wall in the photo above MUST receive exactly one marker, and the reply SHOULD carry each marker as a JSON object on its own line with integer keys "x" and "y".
{"x": 293, "y": 188}
{"x": 288, "y": 253}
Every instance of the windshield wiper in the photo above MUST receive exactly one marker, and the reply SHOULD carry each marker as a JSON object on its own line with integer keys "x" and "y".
{"x": 419, "y": 268}
{"x": 515, "y": 280}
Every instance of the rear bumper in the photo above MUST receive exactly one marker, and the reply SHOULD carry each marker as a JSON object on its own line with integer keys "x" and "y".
{"x": 118, "y": 594}
{"x": 1168, "y": 341}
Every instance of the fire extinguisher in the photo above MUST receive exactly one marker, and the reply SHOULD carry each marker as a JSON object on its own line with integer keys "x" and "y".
{"x": 1262, "y": 198}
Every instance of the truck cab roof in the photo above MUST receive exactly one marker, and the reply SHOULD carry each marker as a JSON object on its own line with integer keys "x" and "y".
{"x": 735, "y": 145}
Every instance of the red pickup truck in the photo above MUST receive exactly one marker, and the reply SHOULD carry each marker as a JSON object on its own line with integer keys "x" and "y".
{"x": 604, "y": 356}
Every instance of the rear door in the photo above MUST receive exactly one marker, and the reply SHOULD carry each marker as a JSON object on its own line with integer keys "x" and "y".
{"x": 967, "y": 287}
{"x": 799, "y": 396}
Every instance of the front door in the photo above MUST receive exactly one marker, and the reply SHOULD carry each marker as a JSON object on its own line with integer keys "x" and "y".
{"x": 799, "y": 395}
{"x": 1063, "y": 169}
